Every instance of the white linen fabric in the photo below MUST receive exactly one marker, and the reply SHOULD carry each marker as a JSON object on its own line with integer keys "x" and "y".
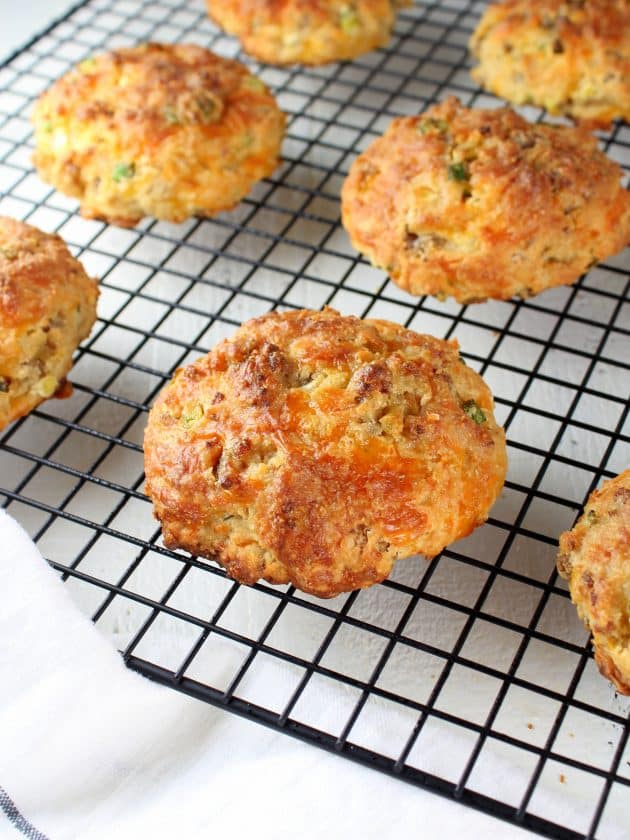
{"x": 91, "y": 750}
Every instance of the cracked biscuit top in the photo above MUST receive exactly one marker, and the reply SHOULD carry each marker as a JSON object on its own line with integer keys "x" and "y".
{"x": 47, "y": 307}
{"x": 479, "y": 204}
{"x": 318, "y": 449}
{"x": 594, "y": 557}
{"x": 160, "y": 130}
{"x": 571, "y": 57}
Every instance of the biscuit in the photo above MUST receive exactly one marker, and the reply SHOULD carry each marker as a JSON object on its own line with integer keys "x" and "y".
{"x": 157, "y": 130}
{"x": 571, "y": 58}
{"x": 316, "y": 449}
{"x": 482, "y": 204}
{"x": 595, "y": 558}
{"x": 47, "y": 306}
{"x": 306, "y": 31}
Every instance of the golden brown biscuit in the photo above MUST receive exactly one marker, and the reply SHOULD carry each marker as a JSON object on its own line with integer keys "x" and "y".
{"x": 595, "y": 558}
{"x": 318, "y": 449}
{"x": 157, "y": 130}
{"x": 307, "y": 31}
{"x": 482, "y": 204}
{"x": 47, "y": 306}
{"x": 571, "y": 58}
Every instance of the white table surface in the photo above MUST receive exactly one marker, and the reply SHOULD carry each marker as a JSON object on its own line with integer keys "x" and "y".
{"x": 424, "y": 815}
{"x": 35, "y": 16}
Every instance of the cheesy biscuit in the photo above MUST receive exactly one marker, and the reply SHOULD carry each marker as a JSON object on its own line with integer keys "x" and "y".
{"x": 317, "y": 449}
{"x": 306, "y": 31}
{"x": 47, "y": 307}
{"x": 157, "y": 130}
{"x": 483, "y": 204}
{"x": 595, "y": 558}
{"x": 571, "y": 57}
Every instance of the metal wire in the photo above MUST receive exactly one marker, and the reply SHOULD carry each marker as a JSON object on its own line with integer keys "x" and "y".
{"x": 72, "y": 471}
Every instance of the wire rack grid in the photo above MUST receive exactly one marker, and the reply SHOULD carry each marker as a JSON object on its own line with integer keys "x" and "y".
{"x": 468, "y": 674}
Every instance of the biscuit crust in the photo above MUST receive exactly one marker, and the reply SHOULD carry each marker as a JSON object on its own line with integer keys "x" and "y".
{"x": 169, "y": 131}
{"x": 318, "y": 449}
{"x": 483, "y": 204}
{"x": 571, "y": 58}
{"x": 306, "y": 31}
{"x": 47, "y": 307}
{"x": 595, "y": 558}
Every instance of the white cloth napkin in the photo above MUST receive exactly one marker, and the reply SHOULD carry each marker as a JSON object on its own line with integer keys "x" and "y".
{"x": 91, "y": 750}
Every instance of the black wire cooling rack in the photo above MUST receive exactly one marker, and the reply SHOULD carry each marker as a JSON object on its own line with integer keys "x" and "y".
{"x": 469, "y": 674}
